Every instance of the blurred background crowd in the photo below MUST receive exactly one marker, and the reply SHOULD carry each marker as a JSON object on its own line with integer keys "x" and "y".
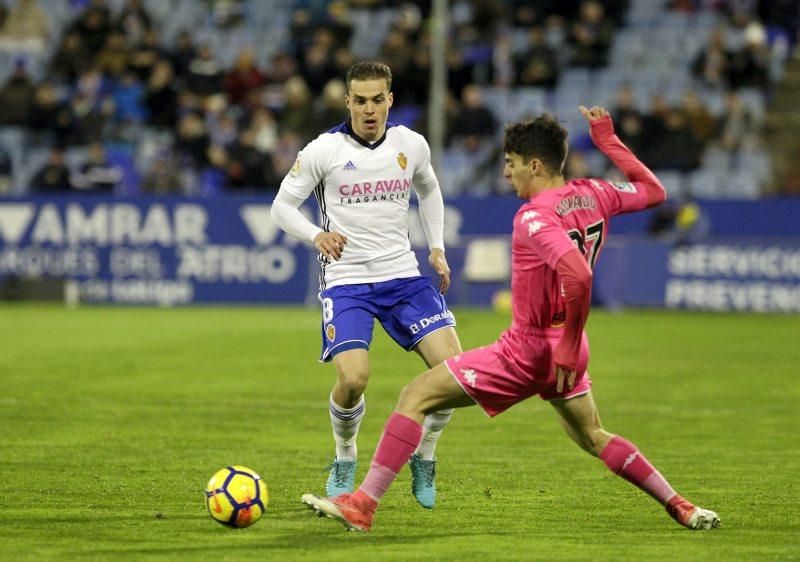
{"x": 199, "y": 97}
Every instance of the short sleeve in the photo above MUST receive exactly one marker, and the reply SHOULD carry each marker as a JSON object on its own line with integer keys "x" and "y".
{"x": 307, "y": 171}
{"x": 621, "y": 196}
{"x": 543, "y": 232}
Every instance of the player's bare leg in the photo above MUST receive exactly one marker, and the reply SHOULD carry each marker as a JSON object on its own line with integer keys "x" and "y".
{"x": 433, "y": 390}
{"x": 434, "y": 349}
{"x": 581, "y": 421}
{"x": 347, "y": 409}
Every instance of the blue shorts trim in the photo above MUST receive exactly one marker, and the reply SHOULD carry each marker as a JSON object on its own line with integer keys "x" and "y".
{"x": 408, "y": 310}
{"x": 330, "y": 352}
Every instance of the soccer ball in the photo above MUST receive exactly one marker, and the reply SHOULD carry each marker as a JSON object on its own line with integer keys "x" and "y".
{"x": 236, "y": 496}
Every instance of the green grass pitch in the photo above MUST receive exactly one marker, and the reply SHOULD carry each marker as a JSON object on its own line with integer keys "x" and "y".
{"x": 113, "y": 419}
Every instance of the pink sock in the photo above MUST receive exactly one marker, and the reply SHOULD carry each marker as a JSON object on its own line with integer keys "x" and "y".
{"x": 624, "y": 459}
{"x": 400, "y": 438}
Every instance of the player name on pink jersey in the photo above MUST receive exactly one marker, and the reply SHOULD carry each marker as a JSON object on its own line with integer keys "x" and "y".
{"x": 381, "y": 186}
{"x": 574, "y": 203}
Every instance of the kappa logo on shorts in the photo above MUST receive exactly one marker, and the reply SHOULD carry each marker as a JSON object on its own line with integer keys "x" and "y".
{"x": 330, "y": 332}
{"x": 470, "y": 376}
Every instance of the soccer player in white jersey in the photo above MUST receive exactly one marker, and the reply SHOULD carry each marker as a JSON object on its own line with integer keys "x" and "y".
{"x": 361, "y": 173}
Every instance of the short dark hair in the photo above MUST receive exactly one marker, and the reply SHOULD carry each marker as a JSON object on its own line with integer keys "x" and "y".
{"x": 369, "y": 70}
{"x": 541, "y": 137}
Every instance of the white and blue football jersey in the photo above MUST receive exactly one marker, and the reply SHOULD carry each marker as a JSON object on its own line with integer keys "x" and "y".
{"x": 363, "y": 191}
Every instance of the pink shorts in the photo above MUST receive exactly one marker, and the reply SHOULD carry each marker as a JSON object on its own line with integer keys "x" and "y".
{"x": 515, "y": 367}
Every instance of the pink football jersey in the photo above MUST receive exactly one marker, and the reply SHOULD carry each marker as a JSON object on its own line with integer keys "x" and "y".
{"x": 549, "y": 225}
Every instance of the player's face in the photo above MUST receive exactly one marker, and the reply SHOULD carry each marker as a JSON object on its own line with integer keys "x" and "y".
{"x": 369, "y": 102}
{"x": 519, "y": 174}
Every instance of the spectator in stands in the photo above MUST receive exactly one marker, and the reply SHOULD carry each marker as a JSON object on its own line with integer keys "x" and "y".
{"x": 702, "y": 123}
{"x": 297, "y": 113}
{"x": 222, "y": 128}
{"x": 227, "y": 14}
{"x": 591, "y": 36}
{"x": 576, "y": 166}
{"x": 331, "y": 110}
{"x": 6, "y": 172}
{"x": 93, "y": 26}
{"x": 128, "y": 94}
{"x": 503, "y": 73}
{"x": 25, "y": 28}
{"x": 282, "y": 67}
{"x": 16, "y": 96}
{"x": 737, "y": 125}
{"x": 248, "y": 168}
{"x": 421, "y": 70}
{"x": 146, "y": 54}
{"x": 53, "y": 177}
{"x": 676, "y": 148}
{"x": 459, "y": 71}
{"x": 538, "y": 65}
{"x": 749, "y": 66}
{"x": 88, "y": 120}
{"x": 50, "y": 118}
{"x": 263, "y": 123}
{"x": 97, "y": 174}
{"x": 134, "y": 21}
{"x": 475, "y": 122}
{"x": 204, "y": 77}
{"x": 193, "y": 140}
{"x": 160, "y": 97}
{"x": 183, "y": 54}
{"x": 71, "y": 58}
{"x": 163, "y": 177}
{"x": 654, "y": 126}
{"x": 316, "y": 63}
{"x": 711, "y": 64}
{"x": 112, "y": 60}
{"x": 630, "y": 121}
{"x": 343, "y": 58}
{"x": 243, "y": 77}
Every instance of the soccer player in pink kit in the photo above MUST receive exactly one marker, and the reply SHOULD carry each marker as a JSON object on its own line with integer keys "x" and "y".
{"x": 558, "y": 234}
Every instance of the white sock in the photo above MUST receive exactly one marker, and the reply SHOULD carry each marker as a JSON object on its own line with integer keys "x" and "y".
{"x": 345, "y": 424}
{"x": 432, "y": 426}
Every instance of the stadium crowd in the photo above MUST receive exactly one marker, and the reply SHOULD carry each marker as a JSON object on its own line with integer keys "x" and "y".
{"x": 190, "y": 97}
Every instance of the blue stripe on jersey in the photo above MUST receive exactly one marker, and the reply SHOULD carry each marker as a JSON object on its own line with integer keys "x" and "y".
{"x": 340, "y": 128}
{"x": 346, "y": 129}
{"x": 319, "y": 193}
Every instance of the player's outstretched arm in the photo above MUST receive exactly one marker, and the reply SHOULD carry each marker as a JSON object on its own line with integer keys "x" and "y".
{"x": 575, "y": 278}
{"x": 602, "y": 133}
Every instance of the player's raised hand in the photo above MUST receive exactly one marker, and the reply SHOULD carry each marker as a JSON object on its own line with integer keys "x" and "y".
{"x": 601, "y": 128}
{"x": 439, "y": 264}
{"x": 330, "y": 244}
{"x": 596, "y": 112}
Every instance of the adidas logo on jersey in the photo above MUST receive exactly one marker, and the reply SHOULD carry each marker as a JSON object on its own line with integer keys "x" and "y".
{"x": 349, "y": 166}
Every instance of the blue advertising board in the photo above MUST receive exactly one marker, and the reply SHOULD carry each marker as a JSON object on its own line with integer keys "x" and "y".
{"x": 753, "y": 276}
{"x": 154, "y": 251}
{"x": 171, "y": 251}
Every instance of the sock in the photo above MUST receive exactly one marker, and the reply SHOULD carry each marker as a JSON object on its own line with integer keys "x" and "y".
{"x": 433, "y": 424}
{"x": 345, "y": 424}
{"x": 401, "y": 435}
{"x": 624, "y": 459}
